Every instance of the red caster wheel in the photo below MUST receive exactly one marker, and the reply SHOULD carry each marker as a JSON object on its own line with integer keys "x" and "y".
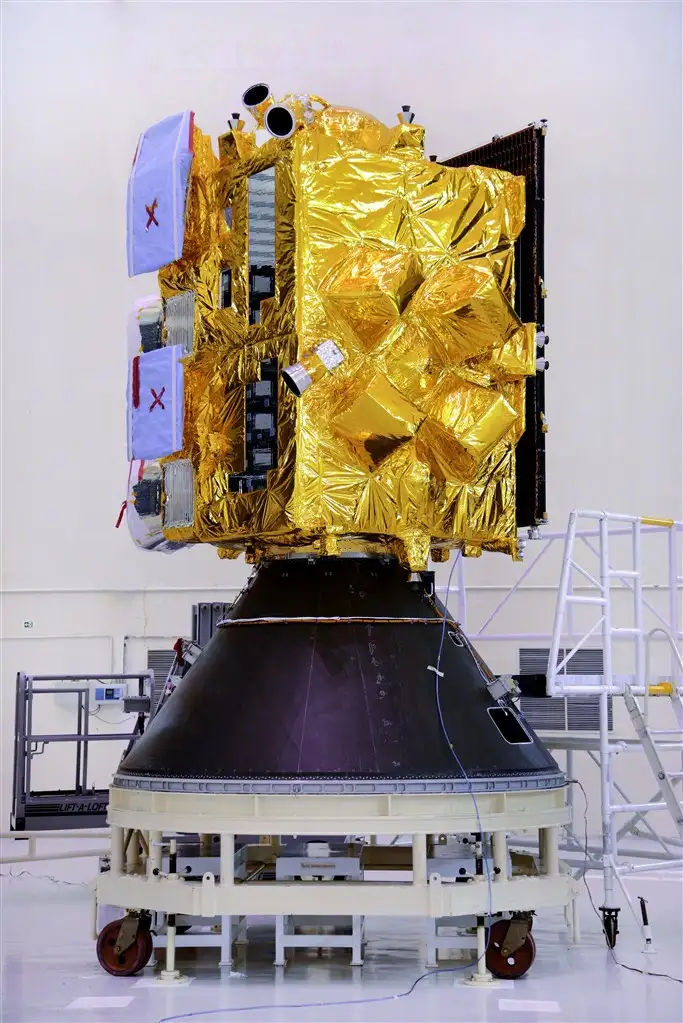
{"x": 514, "y": 964}
{"x": 123, "y": 962}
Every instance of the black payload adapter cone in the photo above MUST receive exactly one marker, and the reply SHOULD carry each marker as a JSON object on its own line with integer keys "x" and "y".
{"x": 322, "y": 679}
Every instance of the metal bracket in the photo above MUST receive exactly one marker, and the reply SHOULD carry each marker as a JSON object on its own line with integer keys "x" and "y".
{"x": 128, "y": 932}
{"x": 520, "y": 925}
{"x": 502, "y": 686}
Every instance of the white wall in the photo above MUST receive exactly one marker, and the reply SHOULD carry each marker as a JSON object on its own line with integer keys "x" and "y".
{"x": 81, "y": 80}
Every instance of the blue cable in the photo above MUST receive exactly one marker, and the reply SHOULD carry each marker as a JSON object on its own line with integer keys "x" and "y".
{"x": 428, "y": 973}
{"x": 437, "y": 676}
{"x": 317, "y": 1005}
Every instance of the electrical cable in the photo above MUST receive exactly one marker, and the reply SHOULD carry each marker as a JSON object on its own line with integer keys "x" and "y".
{"x": 624, "y": 966}
{"x": 43, "y": 877}
{"x": 315, "y": 1005}
{"x": 106, "y": 721}
{"x": 438, "y": 675}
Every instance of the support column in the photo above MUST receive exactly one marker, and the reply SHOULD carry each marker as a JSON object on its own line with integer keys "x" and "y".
{"x": 541, "y": 850}
{"x": 482, "y": 976}
{"x": 551, "y": 857}
{"x": 357, "y": 928}
{"x": 420, "y": 859}
{"x": 279, "y": 942}
{"x": 227, "y": 860}
{"x": 117, "y": 857}
{"x": 133, "y": 853}
{"x": 227, "y": 873}
{"x": 608, "y": 831}
{"x": 606, "y": 805}
{"x": 155, "y": 853}
{"x": 576, "y": 921}
{"x": 170, "y": 974}
{"x": 500, "y": 856}
{"x": 226, "y": 941}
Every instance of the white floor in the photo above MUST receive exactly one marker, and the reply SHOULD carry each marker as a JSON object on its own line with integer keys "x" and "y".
{"x": 50, "y": 972}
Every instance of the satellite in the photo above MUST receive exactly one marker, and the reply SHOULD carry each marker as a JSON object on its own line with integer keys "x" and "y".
{"x": 341, "y": 377}
{"x": 343, "y": 358}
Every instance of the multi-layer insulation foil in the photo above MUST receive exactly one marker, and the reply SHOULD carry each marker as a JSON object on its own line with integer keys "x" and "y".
{"x": 353, "y": 368}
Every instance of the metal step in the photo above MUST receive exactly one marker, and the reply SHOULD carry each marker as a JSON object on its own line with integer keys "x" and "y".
{"x": 650, "y": 750}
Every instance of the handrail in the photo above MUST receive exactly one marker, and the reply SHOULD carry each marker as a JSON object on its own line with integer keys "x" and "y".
{"x": 658, "y": 630}
{"x": 102, "y": 835}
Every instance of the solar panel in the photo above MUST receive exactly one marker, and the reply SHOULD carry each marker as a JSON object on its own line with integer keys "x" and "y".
{"x": 523, "y": 153}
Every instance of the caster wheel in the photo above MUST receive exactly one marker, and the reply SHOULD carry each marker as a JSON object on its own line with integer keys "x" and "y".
{"x": 132, "y": 959}
{"x": 514, "y": 965}
{"x": 610, "y": 925}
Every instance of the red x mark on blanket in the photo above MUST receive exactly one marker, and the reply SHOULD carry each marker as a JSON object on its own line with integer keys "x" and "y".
{"x": 150, "y": 213}
{"x": 157, "y": 398}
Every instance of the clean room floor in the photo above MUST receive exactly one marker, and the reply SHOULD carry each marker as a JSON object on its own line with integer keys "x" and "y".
{"x": 50, "y": 972}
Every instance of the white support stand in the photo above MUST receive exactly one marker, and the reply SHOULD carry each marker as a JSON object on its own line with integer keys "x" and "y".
{"x": 376, "y": 814}
{"x": 170, "y": 975}
{"x": 155, "y": 858}
{"x": 481, "y": 977}
{"x": 226, "y": 942}
{"x": 286, "y": 935}
{"x": 591, "y": 612}
{"x": 227, "y": 882}
{"x": 117, "y": 854}
{"x": 629, "y": 687}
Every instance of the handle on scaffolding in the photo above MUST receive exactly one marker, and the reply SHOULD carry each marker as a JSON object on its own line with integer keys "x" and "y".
{"x": 661, "y": 689}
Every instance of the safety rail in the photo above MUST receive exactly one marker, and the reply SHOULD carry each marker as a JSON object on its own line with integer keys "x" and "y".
{"x": 33, "y": 837}
{"x": 608, "y": 684}
{"x": 603, "y": 603}
{"x": 631, "y": 577}
{"x": 83, "y": 804}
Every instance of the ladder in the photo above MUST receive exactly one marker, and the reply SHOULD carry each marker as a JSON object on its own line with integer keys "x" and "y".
{"x": 667, "y": 779}
{"x": 589, "y": 612}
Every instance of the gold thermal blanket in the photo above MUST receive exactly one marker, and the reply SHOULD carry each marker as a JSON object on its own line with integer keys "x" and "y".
{"x": 407, "y": 443}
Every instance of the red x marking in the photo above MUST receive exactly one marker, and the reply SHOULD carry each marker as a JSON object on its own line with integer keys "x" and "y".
{"x": 157, "y": 398}
{"x": 150, "y": 213}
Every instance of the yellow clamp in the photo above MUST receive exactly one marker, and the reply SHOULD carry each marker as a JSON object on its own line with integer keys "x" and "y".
{"x": 661, "y": 689}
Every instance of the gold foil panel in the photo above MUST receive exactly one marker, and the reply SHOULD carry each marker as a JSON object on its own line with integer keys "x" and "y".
{"x": 408, "y": 267}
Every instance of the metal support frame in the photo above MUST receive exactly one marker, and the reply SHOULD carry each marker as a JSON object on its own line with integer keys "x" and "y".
{"x": 594, "y": 533}
{"x": 589, "y": 588}
{"x": 34, "y": 855}
{"x": 286, "y": 935}
{"x": 588, "y": 584}
{"x": 83, "y": 805}
{"x": 610, "y": 684}
{"x": 430, "y": 894}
